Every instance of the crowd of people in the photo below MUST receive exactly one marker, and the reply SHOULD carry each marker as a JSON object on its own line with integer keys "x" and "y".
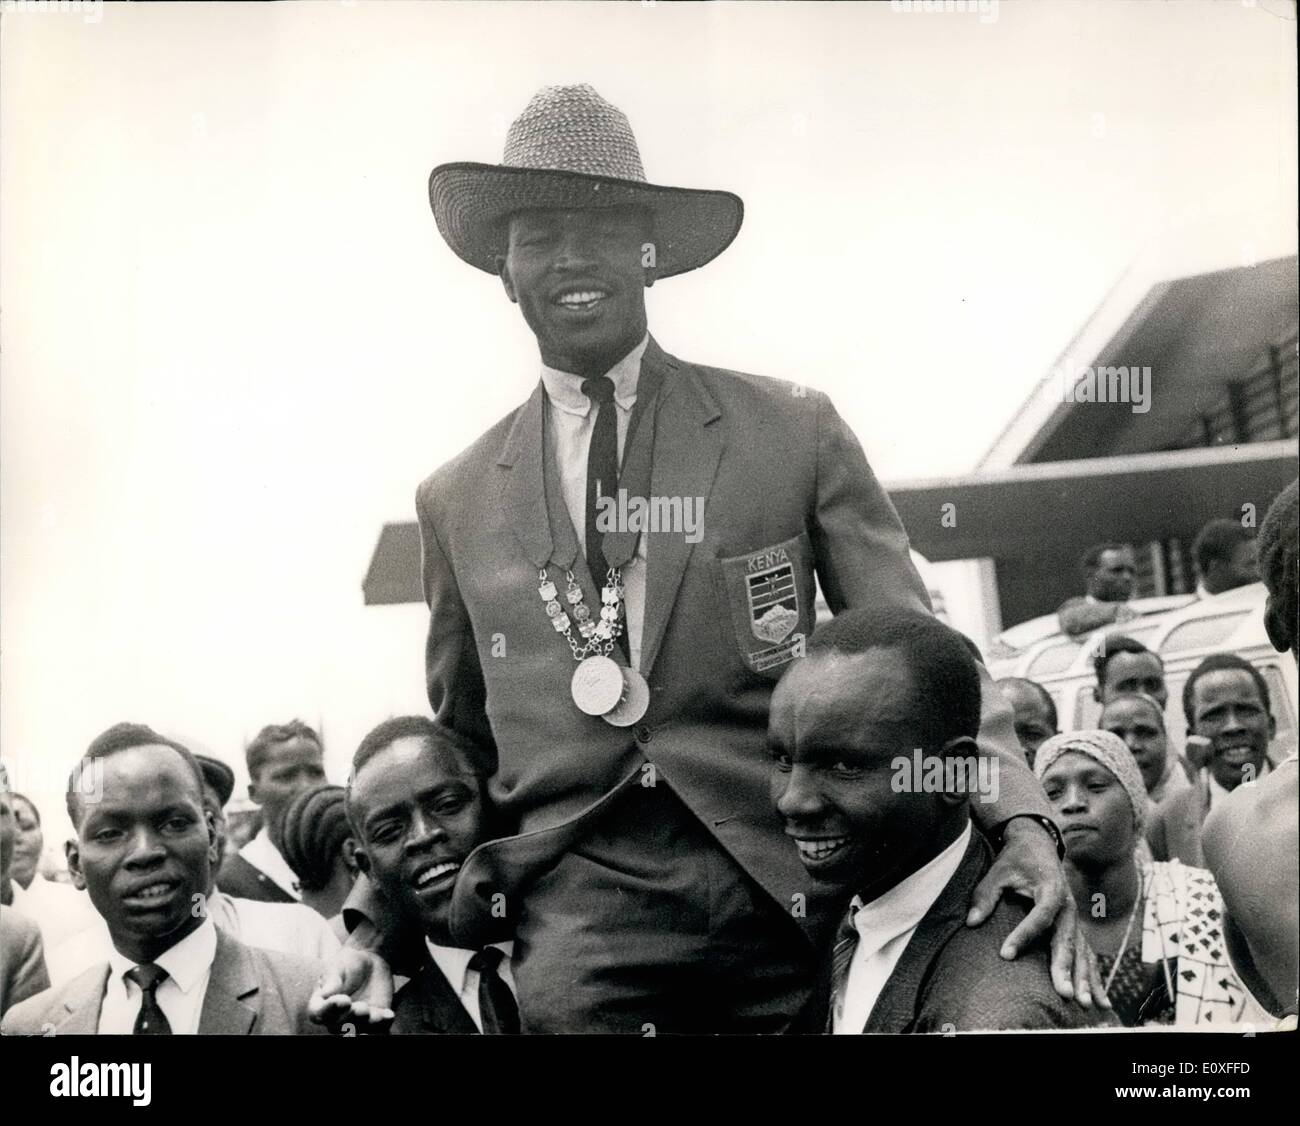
{"x": 650, "y": 797}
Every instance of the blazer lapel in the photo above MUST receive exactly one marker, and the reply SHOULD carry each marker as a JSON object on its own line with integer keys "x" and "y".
{"x": 230, "y": 1006}
{"x": 688, "y": 446}
{"x": 83, "y": 1004}
{"x": 525, "y": 493}
{"x": 895, "y": 1008}
{"x": 440, "y": 1008}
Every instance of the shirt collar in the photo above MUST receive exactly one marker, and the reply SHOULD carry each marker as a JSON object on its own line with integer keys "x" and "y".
{"x": 903, "y": 906}
{"x": 564, "y": 388}
{"x": 453, "y": 961}
{"x": 1215, "y": 794}
{"x": 187, "y": 962}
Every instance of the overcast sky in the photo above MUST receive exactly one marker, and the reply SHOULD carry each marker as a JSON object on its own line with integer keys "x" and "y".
{"x": 233, "y": 341}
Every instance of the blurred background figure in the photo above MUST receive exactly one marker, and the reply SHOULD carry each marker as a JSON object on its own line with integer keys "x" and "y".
{"x": 1252, "y": 839}
{"x": 318, "y": 844}
{"x": 1226, "y": 558}
{"x": 29, "y": 841}
{"x": 22, "y": 960}
{"x": 1035, "y": 713}
{"x": 1110, "y": 574}
{"x": 1137, "y": 914}
{"x": 1124, "y": 666}
{"x": 283, "y": 760}
{"x": 1139, "y": 721}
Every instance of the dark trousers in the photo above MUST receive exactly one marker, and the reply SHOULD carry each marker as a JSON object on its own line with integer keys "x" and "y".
{"x": 647, "y": 926}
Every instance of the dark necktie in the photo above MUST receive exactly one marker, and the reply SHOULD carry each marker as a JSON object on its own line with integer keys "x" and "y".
{"x": 602, "y": 476}
{"x": 151, "y": 1021}
{"x": 846, "y": 942}
{"x": 496, "y": 1004}
{"x": 602, "y": 467}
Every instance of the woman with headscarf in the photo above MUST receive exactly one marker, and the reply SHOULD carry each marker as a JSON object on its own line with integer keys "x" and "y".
{"x": 1155, "y": 927}
{"x": 318, "y": 845}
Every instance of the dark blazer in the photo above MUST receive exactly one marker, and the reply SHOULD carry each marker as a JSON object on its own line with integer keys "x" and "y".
{"x": 427, "y": 1004}
{"x": 250, "y": 992}
{"x": 246, "y": 881}
{"x": 22, "y": 959}
{"x": 1174, "y": 831}
{"x": 951, "y": 977}
{"x": 786, "y": 487}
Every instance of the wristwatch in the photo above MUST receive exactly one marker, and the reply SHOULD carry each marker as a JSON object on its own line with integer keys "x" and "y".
{"x": 999, "y": 833}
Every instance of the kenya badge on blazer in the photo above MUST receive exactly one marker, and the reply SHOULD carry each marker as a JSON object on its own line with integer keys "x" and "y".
{"x": 770, "y": 594}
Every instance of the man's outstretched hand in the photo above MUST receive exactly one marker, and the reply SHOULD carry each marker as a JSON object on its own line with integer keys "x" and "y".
{"x": 1028, "y": 866}
{"x": 354, "y": 995}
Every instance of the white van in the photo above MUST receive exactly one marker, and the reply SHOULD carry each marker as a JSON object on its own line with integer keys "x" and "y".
{"x": 1182, "y": 629}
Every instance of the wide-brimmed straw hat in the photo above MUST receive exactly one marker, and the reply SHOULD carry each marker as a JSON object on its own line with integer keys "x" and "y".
{"x": 571, "y": 149}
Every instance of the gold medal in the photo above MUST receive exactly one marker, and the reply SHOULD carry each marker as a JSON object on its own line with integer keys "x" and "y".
{"x": 597, "y": 685}
{"x": 633, "y": 703}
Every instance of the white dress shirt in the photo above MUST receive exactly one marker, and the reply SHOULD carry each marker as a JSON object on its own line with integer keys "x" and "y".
{"x": 261, "y": 853}
{"x": 180, "y": 995}
{"x": 570, "y": 421}
{"x": 453, "y": 961}
{"x": 885, "y": 926}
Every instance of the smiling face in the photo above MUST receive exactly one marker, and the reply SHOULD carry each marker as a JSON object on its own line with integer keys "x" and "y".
{"x": 417, "y": 815}
{"x": 578, "y": 279}
{"x": 1092, "y": 811}
{"x": 1228, "y": 710}
{"x": 835, "y": 727}
{"x": 1142, "y": 730}
{"x": 144, "y": 850}
{"x": 1130, "y": 673}
{"x": 1115, "y": 578}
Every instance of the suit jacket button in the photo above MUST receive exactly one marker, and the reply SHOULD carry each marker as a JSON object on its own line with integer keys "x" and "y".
{"x": 642, "y": 733}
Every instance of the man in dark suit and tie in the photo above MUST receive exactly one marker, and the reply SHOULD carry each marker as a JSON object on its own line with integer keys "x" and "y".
{"x": 417, "y": 807}
{"x": 144, "y": 850}
{"x": 876, "y": 771}
{"x": 617, "y": 573}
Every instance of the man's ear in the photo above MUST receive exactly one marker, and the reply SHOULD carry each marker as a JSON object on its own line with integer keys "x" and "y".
{"x": 504, "y": 272}
{"x": 214, "y": 857}
{"x": 1096, "y": 695}
{"x": 72, "y": 853}
{"x": 253, "y": 795}
{"x": 963, "y": 749}
{"x": 359, "y": 857}
{"x": 350, "y": 853}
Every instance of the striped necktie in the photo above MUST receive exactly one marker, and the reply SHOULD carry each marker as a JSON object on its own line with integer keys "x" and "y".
{"x": 846, "y": 942}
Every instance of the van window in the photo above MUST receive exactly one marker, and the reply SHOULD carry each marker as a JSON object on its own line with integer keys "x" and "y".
{"x": 1055, "y": 658}
{"x": 1202, "y": 633}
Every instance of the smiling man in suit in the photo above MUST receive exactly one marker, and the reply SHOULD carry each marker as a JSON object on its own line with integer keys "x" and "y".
{"x": 617, "y": 672}
{"x": 144, "y": 850}
{"x": 417, "y": 806}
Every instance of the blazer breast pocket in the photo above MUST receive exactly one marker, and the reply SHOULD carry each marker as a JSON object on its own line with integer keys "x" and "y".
{"x": 770, "y": 595}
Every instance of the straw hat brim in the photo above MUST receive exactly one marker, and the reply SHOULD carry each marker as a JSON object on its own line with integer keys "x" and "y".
{"x": 472, "y": 201}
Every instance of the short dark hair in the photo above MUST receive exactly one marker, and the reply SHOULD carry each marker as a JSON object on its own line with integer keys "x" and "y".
{"x": 312, "y": 832}
{"x": 1089, "y": 559}
{"x": 123, "y": 737}
{"x": 1113, "y": 644}
{"x": 1278, "y": 549}
{"x": 259, "y": 750}
{"x": 944, "y": 672}
{"x": 1218, "y": 540}
{"x": 468, "y": 753}
{"x": 1044, "y": 696}
{"x": 1141, "y": 698}
{"x": 1220, "y": 662}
